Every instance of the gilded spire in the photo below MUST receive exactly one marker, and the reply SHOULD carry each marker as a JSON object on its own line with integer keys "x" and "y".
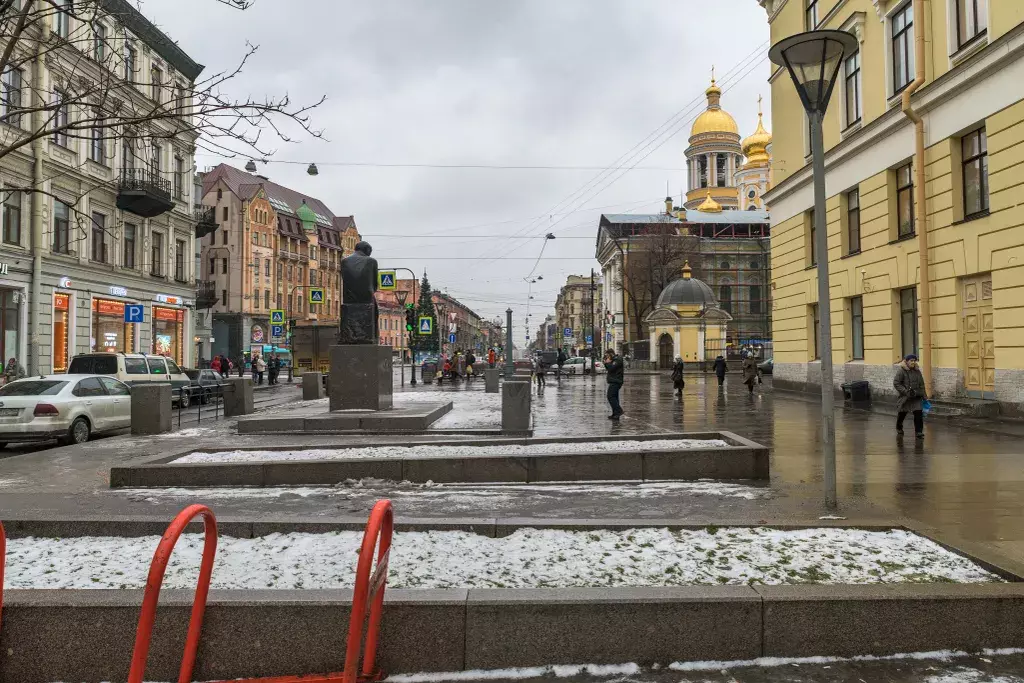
{"x": 755, "y": 146}
{"x": 687, "y": 273}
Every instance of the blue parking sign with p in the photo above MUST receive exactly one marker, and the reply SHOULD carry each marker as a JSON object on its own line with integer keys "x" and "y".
{"x": 567, "y": 332}
{"x": 277, "y": 330}
{"x": 133, "y": 313}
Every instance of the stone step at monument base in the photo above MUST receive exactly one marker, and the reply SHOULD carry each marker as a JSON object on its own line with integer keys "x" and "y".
{"x": 412, "y": 418}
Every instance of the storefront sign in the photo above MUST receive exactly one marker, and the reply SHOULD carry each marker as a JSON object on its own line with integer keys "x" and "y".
{"x": 173, "y": 300}
{"x": 60, "y": 302}
{"x": 64, "y": 283}
{"x": 168, "y": 314}
{"x": 118, "y": 291}
{"x": 105, "y": 307}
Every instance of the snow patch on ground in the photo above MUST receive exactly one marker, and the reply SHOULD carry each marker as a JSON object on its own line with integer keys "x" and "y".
{"x": 557, "y": 671}
{"x": 528, "y": 558}
{"x": 456, "y": 494}
{"x": 451, "y": 451}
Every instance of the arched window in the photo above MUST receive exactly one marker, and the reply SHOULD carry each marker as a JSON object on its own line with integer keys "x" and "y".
{"x": 725, "y": 265}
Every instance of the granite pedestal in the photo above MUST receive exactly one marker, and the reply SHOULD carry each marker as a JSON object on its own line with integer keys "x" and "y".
{"x": 361, "y": 377}
{"x": 151, "y": 408}
{"x": 515, "y": 406}
{"x": 491, "y": 380}
{"x": 312, "y": 386}
{"x": 238, "y": 397}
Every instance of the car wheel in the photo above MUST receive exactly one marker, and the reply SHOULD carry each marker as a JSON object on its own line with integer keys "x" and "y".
{"x": 205, "y": 398}
{"x": 78, "y": 432}
{"x": 185, "y": 400}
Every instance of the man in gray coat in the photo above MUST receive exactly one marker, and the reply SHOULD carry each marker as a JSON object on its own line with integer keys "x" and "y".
{"x": 909, "y": 384}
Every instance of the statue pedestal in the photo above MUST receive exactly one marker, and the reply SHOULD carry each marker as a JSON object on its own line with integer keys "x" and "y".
{"x": 358, "y": 325}
{"x": 361, "y": 377}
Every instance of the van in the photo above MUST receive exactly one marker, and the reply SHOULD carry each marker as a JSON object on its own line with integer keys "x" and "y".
{"x": 136, "y": 368}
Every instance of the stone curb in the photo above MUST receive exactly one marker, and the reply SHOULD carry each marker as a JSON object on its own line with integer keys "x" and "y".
{"x": 86, "y": 635}
{"x": 402, "y": 419}
{"x": 741, "y": 460}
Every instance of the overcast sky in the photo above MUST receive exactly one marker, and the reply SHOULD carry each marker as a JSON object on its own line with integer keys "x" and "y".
{"x": 520, "y": 82}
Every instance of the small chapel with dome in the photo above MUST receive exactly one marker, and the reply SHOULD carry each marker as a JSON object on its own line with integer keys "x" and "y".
{"x": 686, "y": 321}
{"x": 723, "y": 171}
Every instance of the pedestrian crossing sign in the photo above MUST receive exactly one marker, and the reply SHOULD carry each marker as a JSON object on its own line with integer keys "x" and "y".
{"x": 386, "y": 281}
{"x": 426, "y": 324}
{"x": 316, "y": 295}
{"x": 277, "y": 316}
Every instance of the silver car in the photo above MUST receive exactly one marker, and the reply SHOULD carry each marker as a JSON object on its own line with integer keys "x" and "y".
{"x": 68, "y": 408}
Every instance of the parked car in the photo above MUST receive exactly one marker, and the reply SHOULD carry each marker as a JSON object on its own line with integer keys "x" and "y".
{"x": 766, "y": 366}
{"x": 68, "y": 408}
{"x": 206, "y": 384}
{"x": 137, "y": 368}
{"x": 578, "y": 365}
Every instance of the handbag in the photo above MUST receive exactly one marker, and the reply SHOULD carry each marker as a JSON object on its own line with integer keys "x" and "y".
{"x": 926, "y": 406}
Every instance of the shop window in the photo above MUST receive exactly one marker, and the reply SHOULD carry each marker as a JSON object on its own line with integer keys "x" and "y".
{"x": 12, "y": 217}
{"x": 109, "y": 330}
{"x": 168, "y": 329}
{"x": 61, "y": 329}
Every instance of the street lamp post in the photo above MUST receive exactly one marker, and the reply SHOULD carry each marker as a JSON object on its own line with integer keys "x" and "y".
{"x": 813, "y": 60}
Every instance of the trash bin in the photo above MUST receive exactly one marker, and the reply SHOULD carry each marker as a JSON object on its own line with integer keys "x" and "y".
{"x": 857, "y": 391}
{"x": 427, "y": 372}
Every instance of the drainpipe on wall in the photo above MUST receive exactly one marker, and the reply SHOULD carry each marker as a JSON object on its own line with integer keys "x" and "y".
{"x": 921, "y": 214}
{"x": 34, "y": 365}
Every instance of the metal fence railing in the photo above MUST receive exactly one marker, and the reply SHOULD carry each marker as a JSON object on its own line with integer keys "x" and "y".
{"x": 198, "y": 396}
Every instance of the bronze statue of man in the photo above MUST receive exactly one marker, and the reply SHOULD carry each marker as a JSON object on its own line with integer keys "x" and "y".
{"x": 359, "y": 305}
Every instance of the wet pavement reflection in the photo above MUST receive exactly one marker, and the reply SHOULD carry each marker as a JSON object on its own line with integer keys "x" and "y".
{"x": 961, "y": 480}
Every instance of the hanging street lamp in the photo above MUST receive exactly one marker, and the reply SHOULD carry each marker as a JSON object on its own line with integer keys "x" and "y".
{"x": 813, "y": 60}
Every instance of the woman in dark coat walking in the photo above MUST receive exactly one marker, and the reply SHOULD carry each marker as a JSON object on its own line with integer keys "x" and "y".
{"x": 720, "y": 370}
{"x": 677, "y": 376}
{"x": 909, "y": 384}
{"x": 749, "y": 371}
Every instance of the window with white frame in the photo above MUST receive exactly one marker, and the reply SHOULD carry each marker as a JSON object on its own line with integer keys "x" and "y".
{"x": 131, "y": 60}
{"x": 61, "y": 118}
{"x": 811, "y": 15}
{"x": 971, "y": 21}
{"x": 852, "y": 89}
{"x": 901, "y": 25}
{"x": 62, "y": 18}
{"x": 96, "y": 142}
{"x": 99, "y": 42}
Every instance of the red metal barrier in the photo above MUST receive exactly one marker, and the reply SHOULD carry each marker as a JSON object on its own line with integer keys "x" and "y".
{"x": 368, "y": 595}
{"x": 3, "y": 561}
{"x": 152, "y": 595}
{"x": 369, "y": 590}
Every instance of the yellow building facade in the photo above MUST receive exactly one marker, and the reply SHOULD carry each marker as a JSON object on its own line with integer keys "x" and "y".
{"x": 971, "y": 103}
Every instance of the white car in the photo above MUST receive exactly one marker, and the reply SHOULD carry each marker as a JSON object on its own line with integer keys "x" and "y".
{"x": 578, "y": 365}
{"x": 137, "y": 368}
{"x": 69, "y": 408}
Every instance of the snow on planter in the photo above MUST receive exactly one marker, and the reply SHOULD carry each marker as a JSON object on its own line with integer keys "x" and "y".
{"x": 529, "y": 558}
{"x": 453, "y": 451}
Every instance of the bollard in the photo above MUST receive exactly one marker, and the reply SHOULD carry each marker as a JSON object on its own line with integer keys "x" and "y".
{"x": 151, "y": 408}
{"x": 515, "y": 406}
{"x": 238, "y": 397}
{"x": 491, "y": 380}
{"x": 312, "y": 386}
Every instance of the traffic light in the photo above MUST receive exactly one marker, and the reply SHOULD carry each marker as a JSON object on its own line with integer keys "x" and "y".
{"x": 410, "y": 319}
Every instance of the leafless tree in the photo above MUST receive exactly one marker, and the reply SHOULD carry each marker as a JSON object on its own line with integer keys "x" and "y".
{"x": 97, "y": 92}
{"x": 653, "y": 256}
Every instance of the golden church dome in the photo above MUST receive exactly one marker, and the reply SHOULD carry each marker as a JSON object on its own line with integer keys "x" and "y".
{"x": 755, "y": 146}
{"x": 709, "y": 205}
{"x": 714, "y": 119}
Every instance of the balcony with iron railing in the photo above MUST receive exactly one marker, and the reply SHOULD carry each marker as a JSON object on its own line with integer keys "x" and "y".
{"x": 206, "y": 294}
{"x": 143, "y": 192}
{"x": 205, "y": 218}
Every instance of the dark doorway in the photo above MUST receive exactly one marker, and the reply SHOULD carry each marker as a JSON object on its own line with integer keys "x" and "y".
{"x": 665, "y": 348}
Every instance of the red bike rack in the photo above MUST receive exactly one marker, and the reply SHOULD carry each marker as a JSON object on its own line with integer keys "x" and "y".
{"x": 150, "y": 598}
{"x": 3, "y": 560}
{"x": 368, "y": 597}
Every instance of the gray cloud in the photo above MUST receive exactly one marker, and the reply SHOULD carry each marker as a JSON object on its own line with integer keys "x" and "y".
{"x": 541, "y": 82}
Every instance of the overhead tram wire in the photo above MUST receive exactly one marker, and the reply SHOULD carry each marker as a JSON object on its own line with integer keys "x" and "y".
{"x": 746, "y": 73}
{"x": 645, "y": 142}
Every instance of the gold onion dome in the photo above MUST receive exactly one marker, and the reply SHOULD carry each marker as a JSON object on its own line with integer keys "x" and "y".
{"x": 755, "y": 146}
{"x": 709, "y": 205}
{"x": 714, "y": 119}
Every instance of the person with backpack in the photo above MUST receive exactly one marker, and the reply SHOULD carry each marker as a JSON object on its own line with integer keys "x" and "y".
{"x": 560, "y": 361}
